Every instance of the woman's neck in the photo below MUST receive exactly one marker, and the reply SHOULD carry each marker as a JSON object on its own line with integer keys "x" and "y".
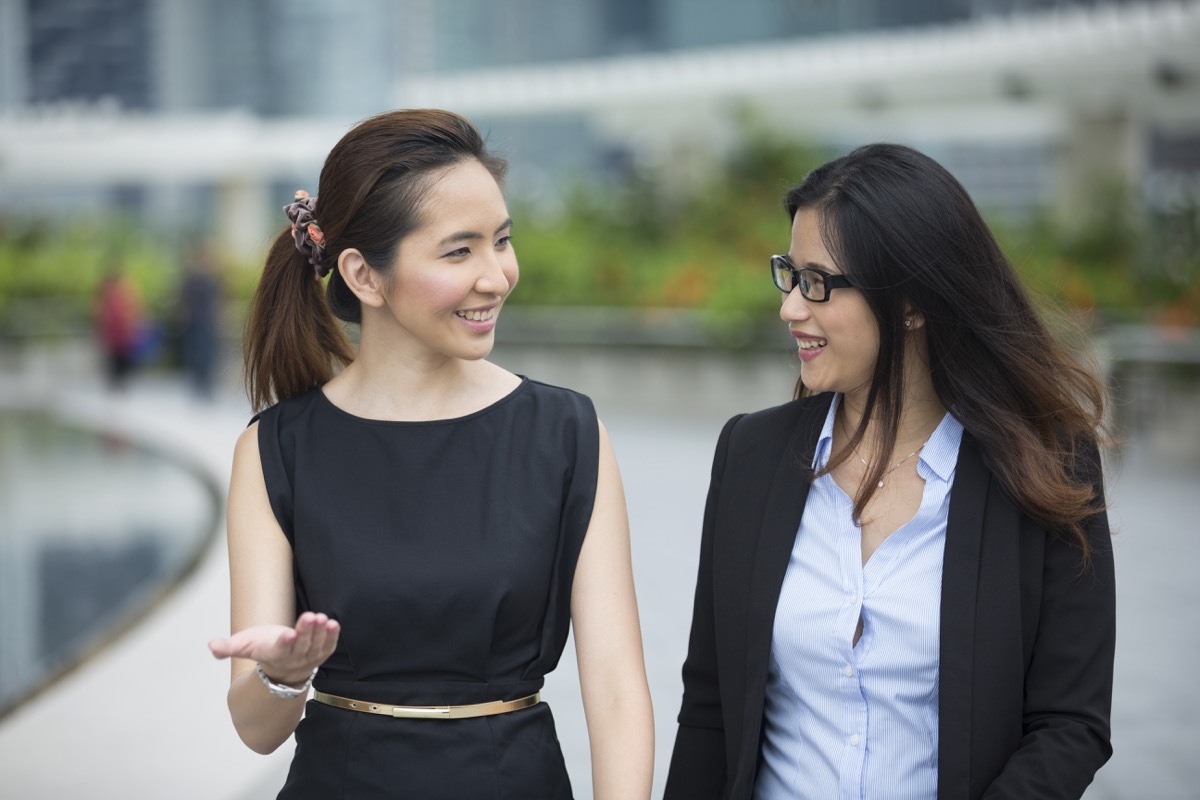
{"x": 400, "y": 384}
{"x": 920, "y": 413}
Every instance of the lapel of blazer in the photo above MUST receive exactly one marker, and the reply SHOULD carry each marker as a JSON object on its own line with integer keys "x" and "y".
{"x": 773, "y": 547}
{"x": 960, "y": 581}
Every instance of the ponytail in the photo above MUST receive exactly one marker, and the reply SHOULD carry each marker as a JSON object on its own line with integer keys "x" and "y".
{"x": 292, "y": 341}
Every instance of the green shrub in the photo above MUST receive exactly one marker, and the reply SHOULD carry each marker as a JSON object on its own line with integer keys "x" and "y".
{"x": 49, "y": 274}
{"x": 659, "y": 239}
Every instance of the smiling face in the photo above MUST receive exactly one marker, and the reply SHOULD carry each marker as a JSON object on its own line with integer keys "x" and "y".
{"x": 838, "y": 340}
{"x": 452, "y": 274}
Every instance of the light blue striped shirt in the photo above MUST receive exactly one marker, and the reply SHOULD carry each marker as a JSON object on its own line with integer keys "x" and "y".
{"x": 859, "y": 722}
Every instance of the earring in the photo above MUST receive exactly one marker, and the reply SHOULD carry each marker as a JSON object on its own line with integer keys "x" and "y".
{"x": 908, "y": 323}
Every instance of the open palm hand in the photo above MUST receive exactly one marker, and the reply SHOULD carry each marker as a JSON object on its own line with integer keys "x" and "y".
{"x": 287, "y": 655}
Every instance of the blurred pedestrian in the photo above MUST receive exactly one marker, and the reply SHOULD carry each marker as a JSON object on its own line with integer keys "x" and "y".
{"x": 437, "y": 523}
{"x": 118, "y": 318}
{"x": 199, "y": 318}
{"x": 906, "y": 578}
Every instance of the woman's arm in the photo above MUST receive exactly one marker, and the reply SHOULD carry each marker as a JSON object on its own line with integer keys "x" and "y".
{"x": 698, "y": 761}
{"x": 1068, "y": 683}
{"x": 608, "y": 644}
{"x": 263, "y": 611}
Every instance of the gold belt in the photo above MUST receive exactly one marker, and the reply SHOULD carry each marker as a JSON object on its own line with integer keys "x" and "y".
{"x": 430, "y": 712}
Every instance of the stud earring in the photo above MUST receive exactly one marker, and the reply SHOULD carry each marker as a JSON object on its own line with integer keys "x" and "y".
{"x": 908, "y": 323}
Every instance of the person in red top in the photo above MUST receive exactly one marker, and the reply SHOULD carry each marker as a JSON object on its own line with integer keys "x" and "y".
{"x": 117, "y": 314}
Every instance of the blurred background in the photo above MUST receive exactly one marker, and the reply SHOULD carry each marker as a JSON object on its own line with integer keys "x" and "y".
{"x": 146, "y": 147}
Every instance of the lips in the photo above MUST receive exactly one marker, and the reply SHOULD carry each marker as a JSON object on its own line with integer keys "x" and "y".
{"x": 808, "y": 341}
{"x": 808, "y": 347}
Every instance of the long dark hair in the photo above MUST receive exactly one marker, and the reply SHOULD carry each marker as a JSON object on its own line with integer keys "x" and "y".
{"x": 911, "y": 238}
{"x": 369, "y": 198}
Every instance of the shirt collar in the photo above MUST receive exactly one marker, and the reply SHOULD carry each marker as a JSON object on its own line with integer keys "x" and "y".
{"x": 825, "y": 442}
{"x": 940, "y": 453}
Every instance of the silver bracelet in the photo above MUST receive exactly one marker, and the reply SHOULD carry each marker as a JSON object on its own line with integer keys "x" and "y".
{"x": 282, "y": 689}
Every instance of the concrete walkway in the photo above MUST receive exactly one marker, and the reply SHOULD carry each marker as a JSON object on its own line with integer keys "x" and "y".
{"x": 146, "y": 718}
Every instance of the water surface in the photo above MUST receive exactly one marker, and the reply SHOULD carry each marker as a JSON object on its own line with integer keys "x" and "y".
{"x": 93, "y": 531}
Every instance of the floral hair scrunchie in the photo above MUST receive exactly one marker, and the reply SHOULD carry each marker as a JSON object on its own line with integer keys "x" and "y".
{"x": 309, "y": 238}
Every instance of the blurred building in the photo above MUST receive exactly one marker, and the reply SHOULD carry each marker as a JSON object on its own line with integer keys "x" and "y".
{"x": 185, "y": 110}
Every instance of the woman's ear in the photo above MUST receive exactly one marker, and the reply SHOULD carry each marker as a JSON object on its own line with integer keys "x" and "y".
{"x": 913, "y": 319}
{"x": 366, "y": 283}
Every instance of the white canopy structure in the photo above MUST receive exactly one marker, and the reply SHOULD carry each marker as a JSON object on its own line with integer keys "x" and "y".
{"x": 1090, "y": 79}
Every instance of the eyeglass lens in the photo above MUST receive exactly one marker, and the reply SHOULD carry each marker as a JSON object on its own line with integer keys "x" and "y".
{"x": 787, "y": 277}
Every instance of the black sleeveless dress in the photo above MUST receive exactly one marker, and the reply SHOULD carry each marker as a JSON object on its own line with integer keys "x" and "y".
{"x": 446, "y": 550}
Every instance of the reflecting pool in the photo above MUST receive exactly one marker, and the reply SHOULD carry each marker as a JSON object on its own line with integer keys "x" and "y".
{"x": 93, "y": 532}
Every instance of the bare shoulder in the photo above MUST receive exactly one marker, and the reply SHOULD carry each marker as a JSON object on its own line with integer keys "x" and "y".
{"x": 245, "y": 452}
{"x": 607, "y": 467}
{"x": 248, "y": 438}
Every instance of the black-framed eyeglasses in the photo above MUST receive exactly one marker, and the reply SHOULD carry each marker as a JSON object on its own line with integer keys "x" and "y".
{"x": 815, "y": 284}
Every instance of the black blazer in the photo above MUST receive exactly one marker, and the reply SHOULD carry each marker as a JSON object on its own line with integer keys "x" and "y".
{"x": 1027, "y": 636}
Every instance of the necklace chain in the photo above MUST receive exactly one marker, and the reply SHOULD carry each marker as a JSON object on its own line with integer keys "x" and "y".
{"x": 892, "y": 468}
{"x": 895, "y": 466}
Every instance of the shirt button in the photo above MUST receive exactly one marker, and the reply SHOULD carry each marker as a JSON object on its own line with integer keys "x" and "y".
{"x": 848, "y": 671}
{"x": 855, "y": 739}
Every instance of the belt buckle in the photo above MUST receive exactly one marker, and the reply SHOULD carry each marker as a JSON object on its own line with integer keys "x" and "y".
{"x": 421, "y": 712}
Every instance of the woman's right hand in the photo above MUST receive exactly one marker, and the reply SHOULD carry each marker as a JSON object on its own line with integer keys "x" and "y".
{"x": 287, "y": 655}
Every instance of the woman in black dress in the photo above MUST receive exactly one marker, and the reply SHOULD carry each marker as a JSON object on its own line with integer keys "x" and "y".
{"x": 412, "y": 529}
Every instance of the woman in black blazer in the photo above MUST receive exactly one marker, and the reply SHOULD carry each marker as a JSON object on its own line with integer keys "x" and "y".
{"x": 911, "y": 329}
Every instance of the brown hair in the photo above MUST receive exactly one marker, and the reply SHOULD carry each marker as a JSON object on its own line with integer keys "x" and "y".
{"x": 909, "y": 235}
{"x": 369, "y": 198}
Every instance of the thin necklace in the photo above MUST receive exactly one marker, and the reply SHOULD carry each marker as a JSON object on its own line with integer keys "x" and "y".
{"x": 895, "y": 466}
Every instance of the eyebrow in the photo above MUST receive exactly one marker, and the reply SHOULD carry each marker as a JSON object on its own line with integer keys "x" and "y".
{"x": 470, "y": 236}
{"x": 812, "y": 265}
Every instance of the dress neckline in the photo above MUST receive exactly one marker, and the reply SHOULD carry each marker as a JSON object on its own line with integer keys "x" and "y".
{"x": 324, "y": 400}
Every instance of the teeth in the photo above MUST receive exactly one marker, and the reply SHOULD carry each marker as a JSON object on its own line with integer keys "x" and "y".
{"x": 477, "y": 316}
{"x": 809, "y": 344}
